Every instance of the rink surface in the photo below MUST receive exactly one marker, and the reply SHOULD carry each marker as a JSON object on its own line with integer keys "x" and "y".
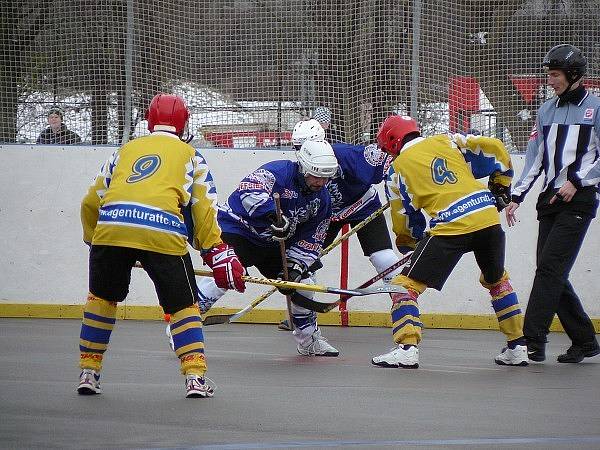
{"x": 268, "y": 396}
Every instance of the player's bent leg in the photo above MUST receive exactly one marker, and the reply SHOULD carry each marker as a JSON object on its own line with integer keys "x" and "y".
{"x": 510, "y": 320}
{"x": 99, "y": 317}
{"x": 208, "y": 293}
{"x": 407, "y": 326}
{"x": 310, "y": 341}
{"x": 188, "y": 343}
{"x": 383, "y": 259}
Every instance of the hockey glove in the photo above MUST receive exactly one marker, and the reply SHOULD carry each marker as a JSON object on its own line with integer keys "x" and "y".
{"x": 281, "y": 230}
{"x": 295, "y": 272}
{"x": 501, "y": 194}
{"x": 227, "y": 268}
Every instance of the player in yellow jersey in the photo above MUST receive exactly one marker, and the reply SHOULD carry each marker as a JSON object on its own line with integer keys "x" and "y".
{"x": 438, "y": 176}
{"x": 134, "y": 211}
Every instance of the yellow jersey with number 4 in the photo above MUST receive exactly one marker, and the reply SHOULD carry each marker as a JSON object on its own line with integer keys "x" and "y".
{"x": 437, "y": 175}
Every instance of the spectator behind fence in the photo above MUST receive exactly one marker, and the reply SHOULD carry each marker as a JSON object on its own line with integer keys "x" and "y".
{"x": 57, "y": 132}
{"x": 322, "y": 114}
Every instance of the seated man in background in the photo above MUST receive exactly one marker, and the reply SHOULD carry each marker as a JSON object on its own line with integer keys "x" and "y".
{"x": 57, "y": 132}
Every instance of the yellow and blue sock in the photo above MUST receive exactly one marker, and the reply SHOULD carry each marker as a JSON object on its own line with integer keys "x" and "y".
{"x": 99, "y": 317}
{"x": 507, "y": 309}
{"x": 188, "y": 340}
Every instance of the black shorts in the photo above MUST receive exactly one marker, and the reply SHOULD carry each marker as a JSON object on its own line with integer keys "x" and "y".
{"x": 373, "y": 237}
{"x": 436, "y": 256}
{"x": 173, "y": 276}
{"x": 267, "y": 259}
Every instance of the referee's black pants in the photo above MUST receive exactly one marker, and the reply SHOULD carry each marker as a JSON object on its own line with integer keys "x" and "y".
{"x": 559, "y": 240}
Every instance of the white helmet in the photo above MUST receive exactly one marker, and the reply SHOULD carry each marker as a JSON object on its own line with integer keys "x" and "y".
{"x": 307, "y": 130}
{"x": 316, "y": 158}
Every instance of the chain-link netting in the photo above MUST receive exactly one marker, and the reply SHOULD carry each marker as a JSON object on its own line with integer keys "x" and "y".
{"x": 250, "y": 69}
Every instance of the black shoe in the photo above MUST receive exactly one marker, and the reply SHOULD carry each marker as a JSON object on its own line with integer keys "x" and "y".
{"x": 536, "y": 351}
{"x": 576, "y": 353}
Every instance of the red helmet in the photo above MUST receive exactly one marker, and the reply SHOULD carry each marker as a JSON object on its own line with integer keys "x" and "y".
{"x": 392, "y": 132}
{"x": 167, "y": 112}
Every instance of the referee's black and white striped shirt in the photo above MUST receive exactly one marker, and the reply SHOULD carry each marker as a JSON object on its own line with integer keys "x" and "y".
{"x": 564, "y": 145}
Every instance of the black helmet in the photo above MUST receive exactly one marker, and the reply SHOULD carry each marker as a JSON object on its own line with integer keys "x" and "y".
{"x": 567, "y": 58}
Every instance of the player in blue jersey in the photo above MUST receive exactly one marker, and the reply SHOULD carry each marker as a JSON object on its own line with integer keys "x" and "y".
{"x": 565, "y": 147}
{"x": 134, "y": 212}
{"x": 354, "y": 196}
{"x": 249, "y": 224}
{"x": 438, "y": 175}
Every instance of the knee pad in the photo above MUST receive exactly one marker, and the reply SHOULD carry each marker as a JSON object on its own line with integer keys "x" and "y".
{"x": 499, "y": 288}
{"x": 411, "y": 285}
{"x": 383, "y": 259}
{"x": 208, "y": 293}
{"x": 310, "y": 278}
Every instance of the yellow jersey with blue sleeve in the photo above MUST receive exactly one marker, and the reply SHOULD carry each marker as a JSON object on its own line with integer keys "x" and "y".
{"x": 142, "y": 193}
{"x": 438, "y": 175}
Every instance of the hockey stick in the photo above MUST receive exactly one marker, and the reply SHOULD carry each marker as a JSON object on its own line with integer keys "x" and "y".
{"x": 376, "y": 278}
{"x": 288, "y": 301}
{"x": 325, "y": 251}
{"x": 228, "y": 318}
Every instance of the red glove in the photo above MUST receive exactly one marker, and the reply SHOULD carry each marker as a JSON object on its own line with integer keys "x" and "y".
{"x": 227, "y": 268}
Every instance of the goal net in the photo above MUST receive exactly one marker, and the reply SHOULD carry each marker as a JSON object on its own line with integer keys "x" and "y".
{"x": 250, "y": 69}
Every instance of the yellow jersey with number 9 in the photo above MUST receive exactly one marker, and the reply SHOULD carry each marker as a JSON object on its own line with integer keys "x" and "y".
{"x": 142, "y": 193}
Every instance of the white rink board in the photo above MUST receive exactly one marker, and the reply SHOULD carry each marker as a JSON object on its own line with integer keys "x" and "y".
{"x": 43, "y": 258}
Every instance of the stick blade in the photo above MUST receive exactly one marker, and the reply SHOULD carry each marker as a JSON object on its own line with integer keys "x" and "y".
{"x": 216, "y": 319}
{"x": 385, "y": 289}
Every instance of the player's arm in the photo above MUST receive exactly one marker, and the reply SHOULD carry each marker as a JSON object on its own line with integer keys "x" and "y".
{"x": 202, "y": 207}
{"x": 227, "y": 268}
{"x": 408, "y": 222}
{"x": 90, "y": 205}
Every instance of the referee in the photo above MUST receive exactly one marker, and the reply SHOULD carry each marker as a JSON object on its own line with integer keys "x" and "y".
{"x": 565, "y": 147}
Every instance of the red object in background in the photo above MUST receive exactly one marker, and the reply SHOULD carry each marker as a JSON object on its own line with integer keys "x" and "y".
{"x": 344, "y": 275}
{"x": 228, "y": 139}
{"x": 463, "y": 100}
{"x": 463, "y": 97}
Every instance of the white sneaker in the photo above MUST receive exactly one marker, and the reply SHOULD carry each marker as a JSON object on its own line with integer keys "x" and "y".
{"x": 399, "y": 357}
{"x": 317, "y": 346}
{"x": 196, "y": 387}
{"x": 89, "y": 382}
{"x": 513, "y": 356}
{"x": 170, "y": 336}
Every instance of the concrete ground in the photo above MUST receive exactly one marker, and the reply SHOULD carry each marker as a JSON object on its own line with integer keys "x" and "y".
{"x": 267, "y": 396}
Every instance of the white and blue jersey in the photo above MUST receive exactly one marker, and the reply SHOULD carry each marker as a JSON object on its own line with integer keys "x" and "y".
{"x": 564, "y": 145}
{"x": 250, "y": 208}
{"x": 352, "y": 190}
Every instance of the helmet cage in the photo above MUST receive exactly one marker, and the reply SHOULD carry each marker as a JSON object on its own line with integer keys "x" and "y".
{"x": 317, "y": 158}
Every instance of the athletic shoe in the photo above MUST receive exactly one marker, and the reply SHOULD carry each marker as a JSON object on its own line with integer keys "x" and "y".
{"x": 89, "y": 383}
{"x": 170, "y": 336}
{"x": 576, "y": 353}
{"x": 284, "y": 325}
{"x": 536, "y": 351}
{"x": 400, "y": 356}
{"x": 196, "y": 387}
{"x": 317, "y": 346}
{"x": 512, "y": 356}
